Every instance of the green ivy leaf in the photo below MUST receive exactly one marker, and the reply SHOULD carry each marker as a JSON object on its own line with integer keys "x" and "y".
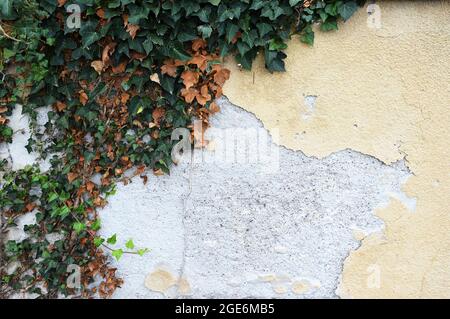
{"x": 264, "y": 28}
{"x": 53, "y": 197}
{"x": 180, "y": 54}
{"x": 293, "y": 3}
{"x": 147, "y": 45}
{"x": 308, "y": 36}
{"x": 96, "y": 225}
{"x": 277, "y": 45}
{"x": 117, "y": 254}
{"x": 7, "y": 53}
{"x": 347, "y": 9}
{"x": 129, "y": 244}
{"x": 79, "y": 227}
{"x": 98, "y": 241}
{"x": 205, "y": 31}
{"x": 6, "y": 9}
{"x": 142, "y": 251}
{"x": 231, "y": 31}
{"x": 329, "y": 26}
{"x": 112, "y": 240}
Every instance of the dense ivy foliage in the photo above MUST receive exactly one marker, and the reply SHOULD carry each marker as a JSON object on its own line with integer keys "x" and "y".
{"x": 119, "y": 83}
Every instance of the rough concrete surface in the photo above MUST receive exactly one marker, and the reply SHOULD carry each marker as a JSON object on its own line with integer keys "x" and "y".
{"x": 234, "y": 230}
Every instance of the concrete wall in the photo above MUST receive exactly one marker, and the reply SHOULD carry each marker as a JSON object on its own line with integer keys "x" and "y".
{"x": 348, "y": 195}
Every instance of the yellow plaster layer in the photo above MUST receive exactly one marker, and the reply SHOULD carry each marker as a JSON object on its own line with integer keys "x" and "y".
{"x": 383, "y": 92}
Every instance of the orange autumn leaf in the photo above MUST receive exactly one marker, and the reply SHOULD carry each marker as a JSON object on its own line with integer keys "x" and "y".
{"x": 201, "y": 100}
{"x": 71, "y": 177}
{"x": 221, "y": 75}
{"x": 200, "y": 61}
{"x": 204, "y": 96}
{"x": 178, "y": 63}
{"x": 198, "y": 44}
{"x": 189, "y": 94}
{"x": 169, "y": 68}
{"x": 155, "y": 135}
{"x": 216, "y": 89}
{"x": 61, "y": 3}
{"x": 140, "y": 169}
{"x": 60, "y": 106}
{"x": 236, "y": 37}
{"x": 132, "y": 29}
{"x": 214, "y": 108}
{"x": 98, "y": 201}
{"x": 124, "y": 98}
{"x": 107, "y": 51}
{"x": 98, "y": 66}
{"x": 125, "y": 19}
{"x": 100, "y": 13}
{"x": 158, "y": 114}
{"x": 83, "y": 97}
{"x": 190, "y": 78}
{"x": 120, "y": 68}
{"x": 90, "y": 186}
{"x": 138, "y": 56}
{"x": 30, "y": 206}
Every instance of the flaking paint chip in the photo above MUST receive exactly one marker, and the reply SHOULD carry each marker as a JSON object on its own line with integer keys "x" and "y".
{"x": 184, "y": 288}
{"x": 300, "y": 287}
{"x": 160, "y": 280}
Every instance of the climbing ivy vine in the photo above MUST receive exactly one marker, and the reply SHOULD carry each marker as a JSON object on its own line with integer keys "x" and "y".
{"x": 120, "y": 76}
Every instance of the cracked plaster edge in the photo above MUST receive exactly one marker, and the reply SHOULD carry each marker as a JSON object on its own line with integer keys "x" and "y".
{"x": 400, "y": 164}
{"x": 339, "y": 289}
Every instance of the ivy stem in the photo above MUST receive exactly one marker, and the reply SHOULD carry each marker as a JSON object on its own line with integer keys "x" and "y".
{"x": 125, "y": 252}
{"x": 104, "y": 245}
{"x": 6, "y": 35}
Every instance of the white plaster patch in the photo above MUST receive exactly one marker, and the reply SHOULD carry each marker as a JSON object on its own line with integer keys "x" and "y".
{"x": 238, "y": 231}
{"x": 16, "y": 152}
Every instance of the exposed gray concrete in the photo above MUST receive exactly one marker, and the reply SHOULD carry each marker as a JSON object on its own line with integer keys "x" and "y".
{"x": 241, "y": 230}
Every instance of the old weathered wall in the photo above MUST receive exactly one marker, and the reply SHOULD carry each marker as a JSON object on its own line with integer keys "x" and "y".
{"x": 383, "y": 92}
{"x": 349, "y": 195}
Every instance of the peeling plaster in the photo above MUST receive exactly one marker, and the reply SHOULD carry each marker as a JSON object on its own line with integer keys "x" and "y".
{"x": 236, "y": 230}
{"x": 383, "y": 92}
